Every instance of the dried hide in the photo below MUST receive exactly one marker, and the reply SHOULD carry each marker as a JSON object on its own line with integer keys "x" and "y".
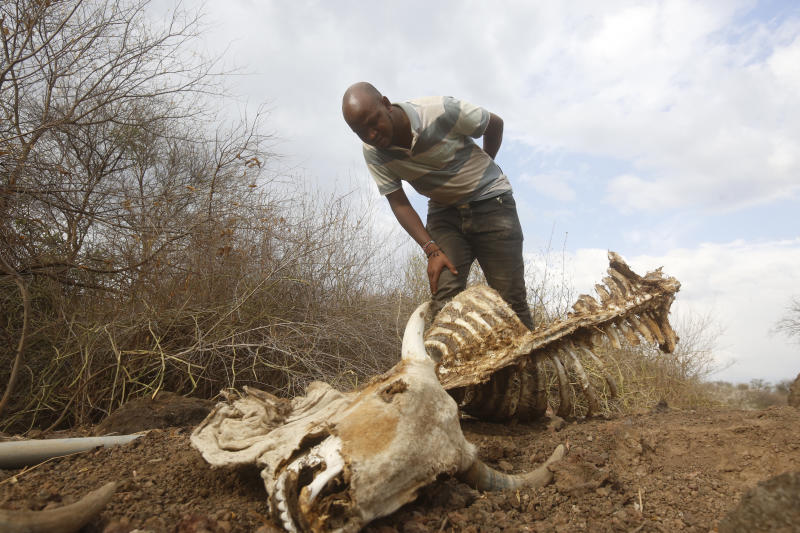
{"x": 497, "y": 369}
{"x": 332, "y": 461}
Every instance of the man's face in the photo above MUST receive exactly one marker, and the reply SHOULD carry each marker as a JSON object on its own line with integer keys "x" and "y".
{"x": 373, "y": 123}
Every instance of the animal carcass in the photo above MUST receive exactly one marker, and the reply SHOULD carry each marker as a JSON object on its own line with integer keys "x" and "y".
{"x": 334, "y": 461}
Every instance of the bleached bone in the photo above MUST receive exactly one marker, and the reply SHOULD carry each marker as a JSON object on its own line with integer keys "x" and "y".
{"x": 653, "y": 327}
{"x": 532, "y": 402}
{"x": 617, "y": 289}
{"x": 605, "y": 294}
{"x": 611, "y": 333}
{"x": 637, "y": 305}
{"x": 588, "y": 390}
{"x": 66, "y": 519}
{"x": 621, "y": 279}
{"x": 564, "y": 387}
{"x": 334, "y": 461}
{"x": 670, "y": 338}
{"x": 642, "y": 328}
{"x": 628, "y": 332}
{"x": 610, "y": 381}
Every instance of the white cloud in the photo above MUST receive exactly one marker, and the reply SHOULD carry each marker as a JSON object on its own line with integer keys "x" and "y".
{"x": 551, "y": 185}
{"x": 704, "y": 108}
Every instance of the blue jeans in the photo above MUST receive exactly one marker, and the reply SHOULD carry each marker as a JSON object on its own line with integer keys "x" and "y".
{"x": 489, "y": 231}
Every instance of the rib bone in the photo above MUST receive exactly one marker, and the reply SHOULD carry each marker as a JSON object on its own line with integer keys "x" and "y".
{"x": 588, "y": 390}
{"x": 625, "y": 298}
{"x": 564, "y": 387}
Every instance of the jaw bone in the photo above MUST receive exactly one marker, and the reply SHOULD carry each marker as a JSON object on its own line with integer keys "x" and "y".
{"x": 333, "y": 462}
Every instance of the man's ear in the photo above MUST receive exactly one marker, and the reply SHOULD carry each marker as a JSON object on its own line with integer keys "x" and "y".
{"x": 385, "y": 101}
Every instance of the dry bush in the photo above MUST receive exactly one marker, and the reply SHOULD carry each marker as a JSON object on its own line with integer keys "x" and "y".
{"x": 293, "y": 299}
{"x": 144, "y": 246}
{"x": 550, "y": 291}
{"x": 757, "y": 394}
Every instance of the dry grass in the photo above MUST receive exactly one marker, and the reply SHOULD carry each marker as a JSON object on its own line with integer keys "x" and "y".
{"x": 296, "y": 300}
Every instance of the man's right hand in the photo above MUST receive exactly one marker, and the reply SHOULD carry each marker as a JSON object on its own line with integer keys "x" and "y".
{"x": 437, "y": 262}
{"x": 409, "y": 219}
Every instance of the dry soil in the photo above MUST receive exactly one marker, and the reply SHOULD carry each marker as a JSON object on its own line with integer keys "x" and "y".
{"x": 665, "y": 470}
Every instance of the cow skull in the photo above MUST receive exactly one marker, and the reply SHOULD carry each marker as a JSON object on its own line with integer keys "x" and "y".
{"x": 334, "y": 461}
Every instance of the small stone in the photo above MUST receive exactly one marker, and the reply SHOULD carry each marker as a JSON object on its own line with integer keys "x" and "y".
{"x": 556, "y": 423}
{"x": 603, "y": 491}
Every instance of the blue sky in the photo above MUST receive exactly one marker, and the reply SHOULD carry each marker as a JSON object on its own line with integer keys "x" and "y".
{"x": 667, "y": 131}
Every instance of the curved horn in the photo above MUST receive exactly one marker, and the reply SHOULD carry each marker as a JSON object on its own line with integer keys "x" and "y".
{"x": 413, "y": 344}
{"x": 67, "y": 519}
{"x": 480, "y": 476}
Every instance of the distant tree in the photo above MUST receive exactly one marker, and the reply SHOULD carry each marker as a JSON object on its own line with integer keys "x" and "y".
{"x": 789, "y": 325}
{"x": 783, "y": 386}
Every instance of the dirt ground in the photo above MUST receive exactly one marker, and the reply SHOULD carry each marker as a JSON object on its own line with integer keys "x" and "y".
{"x": 666, "y": 470}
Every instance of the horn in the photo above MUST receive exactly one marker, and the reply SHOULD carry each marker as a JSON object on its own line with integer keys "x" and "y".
{"x": 67, "y": 519}
{"x": 413, "y": 344}
{"x": 480, "y": 476}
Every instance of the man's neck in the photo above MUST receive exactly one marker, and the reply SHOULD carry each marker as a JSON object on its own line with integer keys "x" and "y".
{"x": 402, "y": 128}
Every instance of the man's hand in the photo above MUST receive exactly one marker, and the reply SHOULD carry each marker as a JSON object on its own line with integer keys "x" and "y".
{"x": 409, "y": 219}
{"x": 437, "y": 262}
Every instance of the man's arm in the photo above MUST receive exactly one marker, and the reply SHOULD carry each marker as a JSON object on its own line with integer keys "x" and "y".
{"x": 408, "y": 218}
{"x": 493, "y": 135}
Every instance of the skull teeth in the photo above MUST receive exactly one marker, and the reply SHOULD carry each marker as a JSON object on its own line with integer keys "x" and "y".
{"x": 327, "y": 455}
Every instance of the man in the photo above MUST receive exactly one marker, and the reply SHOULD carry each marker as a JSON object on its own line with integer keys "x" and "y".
{"x": 471, "y": 210}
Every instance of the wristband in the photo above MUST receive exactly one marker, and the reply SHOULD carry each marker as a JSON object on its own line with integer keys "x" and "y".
{"x": 425, "y": 246}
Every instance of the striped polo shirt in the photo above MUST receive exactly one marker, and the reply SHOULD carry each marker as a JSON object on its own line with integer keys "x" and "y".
{"x": 444, "y": 163}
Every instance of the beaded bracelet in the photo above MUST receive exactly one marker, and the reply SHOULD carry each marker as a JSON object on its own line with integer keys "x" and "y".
{"x": 425, "y": 246}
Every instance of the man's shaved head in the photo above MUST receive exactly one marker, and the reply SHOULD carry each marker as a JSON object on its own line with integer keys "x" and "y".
{"x": 359, "y": 98}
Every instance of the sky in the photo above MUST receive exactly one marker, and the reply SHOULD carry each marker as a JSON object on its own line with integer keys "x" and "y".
{"x": 667, "y": 131}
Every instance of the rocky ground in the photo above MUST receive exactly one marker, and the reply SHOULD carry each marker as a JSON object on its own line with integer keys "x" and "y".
{"x": 666, "y": 470}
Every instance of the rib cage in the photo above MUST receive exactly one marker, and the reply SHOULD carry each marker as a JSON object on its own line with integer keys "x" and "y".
{"x": 496, "y": 368}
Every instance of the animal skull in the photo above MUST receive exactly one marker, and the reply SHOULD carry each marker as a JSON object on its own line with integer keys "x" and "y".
{"x": 334, "y": 461}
